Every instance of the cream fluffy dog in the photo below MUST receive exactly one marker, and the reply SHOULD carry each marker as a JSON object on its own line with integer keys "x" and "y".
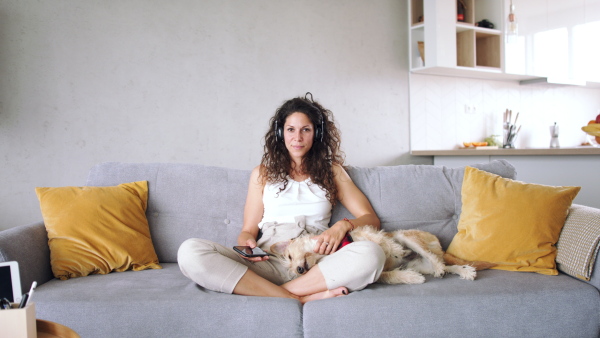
{"x": 409, "y": 255}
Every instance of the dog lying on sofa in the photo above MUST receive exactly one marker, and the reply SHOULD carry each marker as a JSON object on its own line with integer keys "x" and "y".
{"x": 409, "y": 255}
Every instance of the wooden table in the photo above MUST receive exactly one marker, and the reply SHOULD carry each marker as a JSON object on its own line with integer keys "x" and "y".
{"x": 48, "y": 329}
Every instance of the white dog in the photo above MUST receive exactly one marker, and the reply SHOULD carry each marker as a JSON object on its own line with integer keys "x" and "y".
{"x": 409, "y": 255}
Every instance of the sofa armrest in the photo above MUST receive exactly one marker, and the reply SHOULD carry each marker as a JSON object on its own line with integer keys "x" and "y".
{"x": 578, "y": 244}
{"x": 28, "y": 245}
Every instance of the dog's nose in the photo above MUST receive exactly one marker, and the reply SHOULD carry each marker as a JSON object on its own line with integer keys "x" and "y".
{"x": 300, "y": 270}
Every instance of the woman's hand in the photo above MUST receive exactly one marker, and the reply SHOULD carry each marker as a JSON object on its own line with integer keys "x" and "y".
{"x": 246, "y": 239}
{"x": 329, "y": 240}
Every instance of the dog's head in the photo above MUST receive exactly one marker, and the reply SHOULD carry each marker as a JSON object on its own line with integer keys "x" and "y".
{"x": 297, "y": 254}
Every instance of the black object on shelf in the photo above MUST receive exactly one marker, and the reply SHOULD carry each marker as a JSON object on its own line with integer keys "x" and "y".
{"x": 485, "y": 24}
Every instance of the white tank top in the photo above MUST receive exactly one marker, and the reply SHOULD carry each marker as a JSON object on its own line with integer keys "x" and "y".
{"x": 298, "y": 199}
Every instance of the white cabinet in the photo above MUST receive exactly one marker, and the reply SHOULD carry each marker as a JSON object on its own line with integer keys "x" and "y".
{"x": 456, "y": 48}
{"x": 557, "y": 39}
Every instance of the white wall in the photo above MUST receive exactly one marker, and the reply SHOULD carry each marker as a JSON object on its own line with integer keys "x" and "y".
{"x": 83, "y": 82}
{"x": 439, "y": 119}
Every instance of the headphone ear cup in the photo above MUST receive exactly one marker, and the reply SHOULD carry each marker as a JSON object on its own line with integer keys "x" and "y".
{"x": 319, "y": 132}
{"x": 278, "y": 132}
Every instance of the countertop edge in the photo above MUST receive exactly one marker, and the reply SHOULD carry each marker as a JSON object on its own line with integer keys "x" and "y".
{"x": 508, "y": 152}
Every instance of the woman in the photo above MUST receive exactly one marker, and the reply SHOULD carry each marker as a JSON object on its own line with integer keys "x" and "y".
{"x": 290, "y": 193}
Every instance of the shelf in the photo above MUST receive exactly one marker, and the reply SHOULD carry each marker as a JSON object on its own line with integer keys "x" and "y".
{"x": 509, "y": 152}
{"x": 460, "y": 27}
{"x": 472, "y": 72}
{"x": 465, "y": 48}
{"x": 416, "y": 11}
{"x": 477, "y": 46}
{"x": 488, "y": 49}
{"x": 456, "y": 48}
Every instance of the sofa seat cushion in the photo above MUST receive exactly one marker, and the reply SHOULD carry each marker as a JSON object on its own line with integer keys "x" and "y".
{"x": 129, "y": 304}
{"x": 497, "y": 304}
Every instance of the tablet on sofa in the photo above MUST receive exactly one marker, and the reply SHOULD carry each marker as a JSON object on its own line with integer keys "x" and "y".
{"x": 10, "y": 281}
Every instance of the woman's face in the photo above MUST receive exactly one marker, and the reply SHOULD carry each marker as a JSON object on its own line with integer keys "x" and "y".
{"x": 298, "y": 133}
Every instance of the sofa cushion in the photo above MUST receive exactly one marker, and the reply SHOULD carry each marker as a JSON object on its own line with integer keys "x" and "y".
{"x": 420, "y": 197}
{"x": 497, "y": 304}
{"x": 513, "y": 224}
{"x": 97, "y": 230}
{"x": 579, "y": 242}
{"x": 162, "y": 303}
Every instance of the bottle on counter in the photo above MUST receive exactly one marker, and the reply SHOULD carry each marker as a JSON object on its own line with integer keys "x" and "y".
{"x": 460, "y": 11}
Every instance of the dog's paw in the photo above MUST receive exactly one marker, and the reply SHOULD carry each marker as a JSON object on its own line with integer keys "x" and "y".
{"x": 412, "y": 277}
{"x": 463, "y": 271}
{"x": 439, "y": 270}
{"x": 468, "y": 272}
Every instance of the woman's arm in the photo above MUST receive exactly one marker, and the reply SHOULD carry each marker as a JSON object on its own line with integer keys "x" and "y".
{"x": 354, "y": 200}
{"x": 357, "y": 203}
{"x": 253, "y": 213}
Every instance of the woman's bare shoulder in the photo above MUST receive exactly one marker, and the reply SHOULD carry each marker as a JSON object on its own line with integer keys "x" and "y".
{"x": 339, "y": 173}
{"x": 257, "y": 175}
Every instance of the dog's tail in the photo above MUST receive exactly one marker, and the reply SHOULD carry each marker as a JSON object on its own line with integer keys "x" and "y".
{"x": 450, "y": 259}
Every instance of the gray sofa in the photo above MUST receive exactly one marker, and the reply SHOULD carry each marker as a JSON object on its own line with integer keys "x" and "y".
{"x": 201, "y": 201}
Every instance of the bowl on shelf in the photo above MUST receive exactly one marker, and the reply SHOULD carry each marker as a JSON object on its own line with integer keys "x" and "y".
{"x": 593, "y": 140}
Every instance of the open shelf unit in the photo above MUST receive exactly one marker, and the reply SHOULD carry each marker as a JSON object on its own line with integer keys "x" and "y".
{"x": 448, "y": 43}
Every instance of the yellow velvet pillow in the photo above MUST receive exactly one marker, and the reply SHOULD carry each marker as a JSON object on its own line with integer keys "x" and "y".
{"x": 96, "y": 230}
{"x": 510, "y": 223}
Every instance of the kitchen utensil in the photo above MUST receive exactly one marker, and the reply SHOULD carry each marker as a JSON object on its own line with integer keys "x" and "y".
{"x": 554, "y": 136}
{"x": 510, "y": 129}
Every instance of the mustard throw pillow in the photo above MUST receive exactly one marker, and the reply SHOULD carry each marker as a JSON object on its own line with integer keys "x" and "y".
{"x": 96, "y": 230}
{"x": 513, "y": 224}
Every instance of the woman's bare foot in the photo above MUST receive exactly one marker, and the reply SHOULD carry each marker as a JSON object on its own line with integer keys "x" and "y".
{"x": 341, "y": 291}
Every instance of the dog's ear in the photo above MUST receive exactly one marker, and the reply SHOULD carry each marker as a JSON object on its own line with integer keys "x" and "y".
{"x": 280, "y": 247}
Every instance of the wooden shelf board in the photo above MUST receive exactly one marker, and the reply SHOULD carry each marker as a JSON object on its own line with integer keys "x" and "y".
{"x": 489, "y": 73}
{"x": 509, "y": 152}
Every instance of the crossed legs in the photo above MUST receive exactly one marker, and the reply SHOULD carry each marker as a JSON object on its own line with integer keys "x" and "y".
{"x": 218, "y": 268}
{"x": 310, "y": 286}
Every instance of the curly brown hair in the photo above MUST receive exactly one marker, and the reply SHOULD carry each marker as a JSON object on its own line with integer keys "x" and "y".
{"x": 318, "y": 163}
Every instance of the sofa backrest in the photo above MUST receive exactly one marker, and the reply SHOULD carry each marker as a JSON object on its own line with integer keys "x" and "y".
{"x": 423, "y": 197}
{"x": 191, "y": 200}
{"x": 184, "y": 201}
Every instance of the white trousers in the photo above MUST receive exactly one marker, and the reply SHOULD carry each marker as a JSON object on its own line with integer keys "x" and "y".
{"x": 219, "y": 268}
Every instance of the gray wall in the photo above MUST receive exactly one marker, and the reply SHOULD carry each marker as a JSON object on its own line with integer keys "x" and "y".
{"x": 83, "y": 82}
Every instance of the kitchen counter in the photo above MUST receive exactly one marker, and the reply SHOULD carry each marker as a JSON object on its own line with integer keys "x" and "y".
{"x": 557, "y": 166}
{"x": 509, "y": 152}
